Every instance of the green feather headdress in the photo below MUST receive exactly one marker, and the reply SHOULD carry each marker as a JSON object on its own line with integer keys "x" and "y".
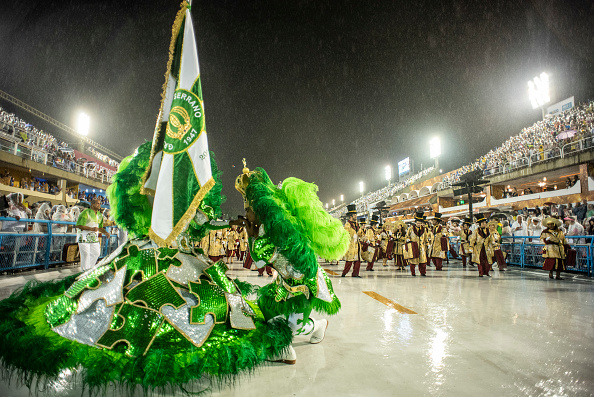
{"x": 295, "y": 221}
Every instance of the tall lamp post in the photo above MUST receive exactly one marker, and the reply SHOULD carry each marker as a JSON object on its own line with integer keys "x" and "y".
{"x": 388, "y": 171}
{"x": 538, "y": 91}
{"x": 435, "y": 150}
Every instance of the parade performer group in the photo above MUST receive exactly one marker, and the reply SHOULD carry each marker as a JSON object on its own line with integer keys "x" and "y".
{"x": 160, "y": 312}
{"x": 427, "y": 240}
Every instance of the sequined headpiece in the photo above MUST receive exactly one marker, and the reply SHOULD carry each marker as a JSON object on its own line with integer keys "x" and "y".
{"x": 242, "y": 182}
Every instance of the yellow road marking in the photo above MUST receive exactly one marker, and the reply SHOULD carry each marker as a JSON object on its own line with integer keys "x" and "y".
{"x": 330, "y": 272}
{"x": 388, "y": 302}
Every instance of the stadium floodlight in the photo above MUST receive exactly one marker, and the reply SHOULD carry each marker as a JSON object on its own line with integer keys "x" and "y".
{"x": 538, "y": 91}
{"x": 388, "y": 173}
{"x": 82, "y": 125}
{"x": 333, "y": 203}
{"x": 326, "y": 205}
{"x": 361, "y": 187}
{"x": 435, "y": 148}
{"x": 342, "y": 198}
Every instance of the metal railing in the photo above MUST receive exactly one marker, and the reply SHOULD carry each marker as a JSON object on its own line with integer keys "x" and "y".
{"x": 526, "y": 251}
{"x": 21, "y": 249}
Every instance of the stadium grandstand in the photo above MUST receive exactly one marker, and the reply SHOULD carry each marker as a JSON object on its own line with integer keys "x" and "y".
{"x": 547, "y": 165}
{"x": 46, "y": 168}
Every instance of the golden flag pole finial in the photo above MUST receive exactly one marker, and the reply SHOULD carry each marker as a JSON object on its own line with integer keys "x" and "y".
{"x": 245, "y": 170}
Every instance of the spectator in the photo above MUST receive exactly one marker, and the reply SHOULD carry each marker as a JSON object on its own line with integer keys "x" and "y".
{"x": 519, "y": 227}
{"x": 590, "y": 228}
{"x": 590, "y": 212}
{"x": 16, "y": 210}
{"x": 580, "y": 211}
{"x": 43, "y": 214}
{"x": 62, "y": 216}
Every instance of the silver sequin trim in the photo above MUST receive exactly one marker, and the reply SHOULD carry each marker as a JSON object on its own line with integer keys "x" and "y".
{"x": 286, "y": 269}
{"x": 190, "y": 270}
{"x": 180, "y": 319}
{"x": 240, "y": 312}
{"x": 88, "y": 326}
{"x": 111, "y": 292}
{"x": 323, "y": 291}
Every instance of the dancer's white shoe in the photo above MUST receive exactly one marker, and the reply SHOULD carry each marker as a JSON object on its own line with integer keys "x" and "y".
{"x": 319, "y": 331}
{"x": 288, "y": 356}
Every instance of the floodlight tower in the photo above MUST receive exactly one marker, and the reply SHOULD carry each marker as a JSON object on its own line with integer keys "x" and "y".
{"x": 361, "y": 188}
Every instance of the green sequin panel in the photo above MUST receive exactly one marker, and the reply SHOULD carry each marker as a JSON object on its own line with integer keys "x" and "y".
{"x": 217, "y": 274}
{"x": 138, "y": 261}
{"x": 156, "y": 292}
{"x": 262, "y": 249}
{"x": 166, "y": 253}
{"x": 89, "y": 281}
{"x": 59, "y": 311}
{"x": 280, "y": 293}
{"x": 138, "y": 330}
{"x": 211, "y": 299}
{"x": 168, "y": 334}
{"x": 163, "y": 264}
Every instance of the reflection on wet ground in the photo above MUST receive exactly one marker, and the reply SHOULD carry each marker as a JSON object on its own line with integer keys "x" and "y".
{"x": 515, "y": 334}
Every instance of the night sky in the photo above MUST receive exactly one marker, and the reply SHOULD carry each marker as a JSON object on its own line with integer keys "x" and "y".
{"x": 327, "y": 91}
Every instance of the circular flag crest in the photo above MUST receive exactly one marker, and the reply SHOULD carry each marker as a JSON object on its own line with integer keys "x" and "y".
{"x": 186, "y": 121}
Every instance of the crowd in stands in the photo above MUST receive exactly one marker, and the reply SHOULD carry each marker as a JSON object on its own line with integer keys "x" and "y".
{"x": 43, "y": 186}
{"x": 59, "y": 154}
{"x": 103, "y": 157}
{"x": 540, "y": 142}
{"x": 42, "y": 210}
{"x": 84, "y": 196}
{"x": 578, "y": 220}
{"x": 384, "y": 194}
{"x": 29, "y": 183}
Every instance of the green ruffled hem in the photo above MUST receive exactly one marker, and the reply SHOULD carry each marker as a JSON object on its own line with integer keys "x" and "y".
{"x": 33, "y": 355}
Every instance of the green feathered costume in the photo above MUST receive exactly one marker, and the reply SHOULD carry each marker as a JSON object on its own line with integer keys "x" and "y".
{"x": 146, "y": 316}
{"x": 294, "y": 231}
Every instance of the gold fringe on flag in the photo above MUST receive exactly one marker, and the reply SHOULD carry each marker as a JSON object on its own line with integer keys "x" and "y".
{"x": 179, "y": 18}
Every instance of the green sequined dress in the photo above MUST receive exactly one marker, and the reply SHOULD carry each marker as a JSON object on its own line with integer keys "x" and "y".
{"x": 144, "y": 316}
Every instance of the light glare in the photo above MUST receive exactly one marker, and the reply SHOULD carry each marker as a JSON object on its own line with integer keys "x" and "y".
{"x": 538, "y": 91}
{"x": 82, "y": 126}
{"x": 434, "y": 147}
{"x": 388, "y": 172}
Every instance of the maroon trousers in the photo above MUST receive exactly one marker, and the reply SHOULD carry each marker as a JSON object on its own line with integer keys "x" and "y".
{"x": 400, "y": 261}
{"x": 500, "y": 260}
{"x": 483, "y": 266}
{"x": 438, "y": 262}
{"x": 248, "y": 261}
{"x": 463, "y": 260}
{"x": 422, "y": 268}
{"x": 268, "y": 271}
{"x": 241, "y": 255}
{"x": 369, "y": 266}
{"x": 347, "y": 268}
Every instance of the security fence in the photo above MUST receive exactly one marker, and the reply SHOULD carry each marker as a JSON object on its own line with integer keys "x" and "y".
{"x": 22, "y": 249}
{"x": 526, "y": 251}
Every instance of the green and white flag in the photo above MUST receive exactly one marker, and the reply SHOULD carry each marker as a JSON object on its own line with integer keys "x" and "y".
{"x": 179, "y": 173}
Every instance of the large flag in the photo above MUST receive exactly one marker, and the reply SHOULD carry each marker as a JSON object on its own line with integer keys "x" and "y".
{"x": 179, "y": 173}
